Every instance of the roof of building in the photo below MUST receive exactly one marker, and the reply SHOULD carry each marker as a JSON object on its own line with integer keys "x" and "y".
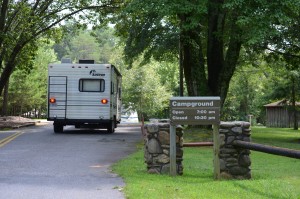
{"x": 281, "y": 103}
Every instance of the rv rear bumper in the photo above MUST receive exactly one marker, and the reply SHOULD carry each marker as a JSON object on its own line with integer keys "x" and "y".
{"x": 98, "y": 122}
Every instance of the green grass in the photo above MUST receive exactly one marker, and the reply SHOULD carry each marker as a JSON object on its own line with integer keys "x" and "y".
{"x": 272, "y": 176}
{"x": 281, "y": 137}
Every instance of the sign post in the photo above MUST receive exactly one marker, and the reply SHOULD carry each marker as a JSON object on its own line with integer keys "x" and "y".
{"x": 173, "y": 165}
{"x": 194, "y": 111}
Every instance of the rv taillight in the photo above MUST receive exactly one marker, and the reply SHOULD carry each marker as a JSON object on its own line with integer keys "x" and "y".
{"x": 52, "y": 100}
{"x": 104, "y": 101}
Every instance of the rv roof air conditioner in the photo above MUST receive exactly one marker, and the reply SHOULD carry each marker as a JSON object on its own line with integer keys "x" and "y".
{"x": 86, "y": 61}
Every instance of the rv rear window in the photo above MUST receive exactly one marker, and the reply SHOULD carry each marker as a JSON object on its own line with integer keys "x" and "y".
{"x": 91, "y": 85}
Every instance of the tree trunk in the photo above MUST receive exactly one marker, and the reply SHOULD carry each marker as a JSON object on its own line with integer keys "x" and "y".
{"x": 227, "y": 72}
{"x": 40, "y": 112}
{"x": 10, "y": 65}
{"x": 5, "y": 99}
{"x": 180, "y": 49}
{"x": 294, "y": 105}
{"x": 193, "y": 61}
{"x": 3, "y": 14}
{"x": 215, "y": 44}
{"x": 220, "y": 69}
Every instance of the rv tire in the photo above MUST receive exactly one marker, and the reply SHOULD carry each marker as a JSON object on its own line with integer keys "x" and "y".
{"x": 58, "y": 128}
{"x": 116, "y": 122}
{"x": 111, "y": 127}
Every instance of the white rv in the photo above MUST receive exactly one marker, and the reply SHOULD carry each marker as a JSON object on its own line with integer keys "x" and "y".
{"x": 84, "y": 94}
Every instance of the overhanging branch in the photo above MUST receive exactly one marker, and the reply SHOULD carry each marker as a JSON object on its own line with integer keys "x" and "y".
{"x": 70, "y": 15}
{"x": 283, "y": 53}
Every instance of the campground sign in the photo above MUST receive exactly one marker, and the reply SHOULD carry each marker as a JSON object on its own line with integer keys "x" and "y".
{"x": 195, "y": 110}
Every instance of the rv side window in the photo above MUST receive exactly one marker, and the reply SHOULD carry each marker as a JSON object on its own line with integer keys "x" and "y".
{"x": 91, "y": 85}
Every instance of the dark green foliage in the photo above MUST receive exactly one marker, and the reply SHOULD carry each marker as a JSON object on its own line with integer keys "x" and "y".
{"x": 28, "y": 88}
{"x": 23, "y": 22}
{"x": 208, "y": 34}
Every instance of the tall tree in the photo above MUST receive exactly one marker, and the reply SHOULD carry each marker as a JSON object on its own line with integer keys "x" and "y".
{"x": 29, "y": 92}
{"x": 211, "y": 34}
{"x": 144, "y": 92}
{"x": 99, "y": 44}
{"x": 23, "y": 22}
{"x": 84, "y": 46}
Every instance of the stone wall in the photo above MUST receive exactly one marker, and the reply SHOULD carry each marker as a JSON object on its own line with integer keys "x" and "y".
{"x": 234, "y": 162}
{"x": 157, "y": 148}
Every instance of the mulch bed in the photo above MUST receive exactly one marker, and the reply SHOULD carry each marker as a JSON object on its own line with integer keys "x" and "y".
{"x": 15, "y": 122}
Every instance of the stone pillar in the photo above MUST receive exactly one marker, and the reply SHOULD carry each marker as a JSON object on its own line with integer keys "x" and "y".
{"x": 234, "y": 162}
{"x": 157, "y": 148}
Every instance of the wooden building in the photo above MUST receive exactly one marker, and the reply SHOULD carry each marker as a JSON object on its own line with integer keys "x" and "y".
{"x": 279, "y": 114}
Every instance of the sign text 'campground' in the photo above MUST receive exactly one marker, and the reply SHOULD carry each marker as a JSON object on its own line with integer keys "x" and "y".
{"x": 195, "y": 110}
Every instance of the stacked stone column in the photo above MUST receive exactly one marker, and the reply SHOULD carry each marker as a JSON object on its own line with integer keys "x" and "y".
{"x": 234, "y": 162}
{"x": 157, "y": 148}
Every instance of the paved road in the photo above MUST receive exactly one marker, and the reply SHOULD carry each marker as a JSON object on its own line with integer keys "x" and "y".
{"x": 35, "y": 163}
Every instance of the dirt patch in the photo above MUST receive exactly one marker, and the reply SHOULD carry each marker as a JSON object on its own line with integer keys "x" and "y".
{"x": 15, "y": 122}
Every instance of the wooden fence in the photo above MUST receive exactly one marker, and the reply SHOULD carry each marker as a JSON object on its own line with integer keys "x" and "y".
{"x": 268, "y": 149}
{"x": 233, "y": 159}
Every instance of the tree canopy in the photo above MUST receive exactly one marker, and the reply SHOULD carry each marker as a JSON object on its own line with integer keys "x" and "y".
{"x": 217, "y": 43}
{"x": 207, "y": 35}
{"x": 28, "y": 93}
{"x": 23, "y": 22}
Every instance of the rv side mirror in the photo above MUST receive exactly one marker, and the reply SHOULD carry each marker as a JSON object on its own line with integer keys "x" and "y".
{"x": 112, "y": 88}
